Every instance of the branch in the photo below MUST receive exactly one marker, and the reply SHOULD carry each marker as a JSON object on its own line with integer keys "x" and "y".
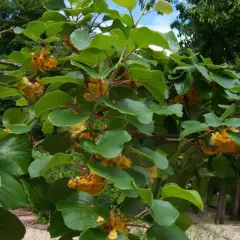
{"x": 136, "y": 225}
{"x": 4, "y": 62}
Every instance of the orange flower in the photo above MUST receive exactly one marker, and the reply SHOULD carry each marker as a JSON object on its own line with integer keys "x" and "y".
{"x": 96, "y": 89}
{"x": 119, "y": 161}
{"x": 221, "y": 143}
{"x": 32, "y": 90}
{"x": 42, "y": 61}
{"x": 190, "y": 98}
{"x": 153, "y": 172}
{"x": 115, "y": 223}
{"x": 90, "y": 183}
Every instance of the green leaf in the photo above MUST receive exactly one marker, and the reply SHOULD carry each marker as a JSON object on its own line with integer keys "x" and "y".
{"x": 80, "y": 39}
{"x": 212, "y": 120}
{"x": 62, "y": 79}
{"x": 34, "y": 30}
{"x": 138, "y": 36}
{"x": 222, "y": 167}
{"x": 37, "y": 165}
{"x": 204, "y": 72}
{"x": 172, "y": 41}
{"x": 15, "y": 155}
{"x": 53, "y": 29}
{"x": 157, "y": 158}
{"x": 10, "y": 226}
{"x": 12, "y": 194}
{"x": 184, "y": 222}
{"x": 6, "y": 92}
{"x": 129, "y": 4}
{"x": 47, "y": 127}
{"x": 232, "y": 122}
{"x": 193, "y": 127}
{"x": 235, "y": 136}
{"x": 93, "y": 234}
{"x": 18, "y": 30}
{"x": 110, "y": 144}
{"x": 146, "y": 196}
{"x": 80, "y": 212}
{"x": 67, "y": 117}
{"x": 54, "y": 5}
{"x": 36, "y": 190}
{"x": 173, "y": 190}
{"x": 229, "y": 111}
{"x": 175, "y": 109}
{"x": 135, "y": 108}
{"x": 57, "y": 227}
{"x": 117, "y": 176}
{"x": 18, "y": 57}
{"x": 59, "y": 190}
{"x": 153, "y": 80}
{"x": 164, "y": 213}
{"x": 22, "y": 102}
{"x": 104, "y": 42}
{"x": 143, "y": 128}
{"x": 163, "y": 6}
{"x": 53, "y": 16}
{"x": 166, "y": 233}
{"x": 50, "y": 101}
{"x": 183, "y": 87}
{"x": 224, "y": 81}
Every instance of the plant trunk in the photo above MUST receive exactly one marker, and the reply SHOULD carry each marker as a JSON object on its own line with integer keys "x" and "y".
{"x": 236, "y": 201}
{"x": 220, "y": 215}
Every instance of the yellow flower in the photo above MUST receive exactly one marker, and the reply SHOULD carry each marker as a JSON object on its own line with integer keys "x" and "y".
{"x": 90, "y": 183}
{"x": 100, "y": 219}
{"x": 96, "y": 89}
{"x": 153, "y": 172}
{"x": 42, "y": 60}
{"x": 119, "y": 161}
{"x": 77, "y": 130}
{"x": 113, "y": 234}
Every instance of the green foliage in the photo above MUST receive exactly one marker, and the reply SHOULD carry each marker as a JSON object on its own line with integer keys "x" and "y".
{"x": 81, "y": 115}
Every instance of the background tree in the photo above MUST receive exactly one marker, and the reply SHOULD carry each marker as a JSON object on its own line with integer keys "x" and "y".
{"x": 210, "y": 27}
{"x": 16, "y": 13}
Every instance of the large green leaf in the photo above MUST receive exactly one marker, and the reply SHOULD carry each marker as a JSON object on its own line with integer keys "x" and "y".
{"x": 104, "y": 42}
{"x": 10, "y": 226}
{"x": 173, "y": 190}
{"x": 191, "y": 127}
{"x": 15, "y": 155}
{"x": 110, "y": 144}
{"x": 222, "y": 167}
{"x": 175, "y": 109}
{"x": 166, "y": 233}
{"x": 146, "y": 195}
{"x": 212, "y": 120}
{"x": 80, "y": 212}
{"x": 223, "y": 81}
{"x": 67, "y": 117}
{"x": 37, "y": 165}
{"x": 164, "y": 213}
{"x": 93, "y": 234}
{"x": 36, "y": 190}
{"x": 235, "y": 136}
{"x": 14, "y": 119}
{"x": 163, "y": 6}
{"x": 229, "y": 111}
{"x": 34, "y": 30}
{"x": 8, "y": 92}
{"x": 54, "y": 5}
{"x": 62, "y": 79}
{"x": 80, "y": 39}
{"x": 138, "y": 36}
{"x": 53, "y": 16}
{"x": 129, "y": 4}
{"x": 135, "y": 108}
{"x": 157, "y": 158}
{"x": 50, "y": 101}
{"x": 12, "y": 194}
{"x": 117, "y": 176}
{"x": 153, "y": 80}
{"x": 57, "y": 227}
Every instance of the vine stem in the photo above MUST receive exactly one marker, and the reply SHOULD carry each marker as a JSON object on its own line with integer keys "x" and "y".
{"x": 142, "y": 14}
{"x": 136, "y": 225}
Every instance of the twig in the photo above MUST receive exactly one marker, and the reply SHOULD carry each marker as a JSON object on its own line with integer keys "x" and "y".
{"x": 85, "y": 169}
{"x": 7, "y": 30}
{"x": 108, "y": 117}
{"x": 130, "y": 54}
{"x": 12, "y": 64}
{"x": 6, "y": 85}
{"x": 136, "y": 225}
{"x": 145, "y": 6}
{"x": 109, "y": 59}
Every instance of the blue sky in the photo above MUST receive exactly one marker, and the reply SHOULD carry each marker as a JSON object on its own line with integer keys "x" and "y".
{"x": 153, "y": 20}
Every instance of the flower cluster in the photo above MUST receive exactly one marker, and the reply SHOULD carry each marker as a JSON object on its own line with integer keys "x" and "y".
{"x": 32, "y": 90}
{"x": 96, "y": 88}
{"x": 42, "y": 61}
{"x": 119, "y": 161}
{"x": 90, "y": 183}
{"x": 189, "y": 99}
{"x": 115, "y": 223}
{"x": 221, "y": 143}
